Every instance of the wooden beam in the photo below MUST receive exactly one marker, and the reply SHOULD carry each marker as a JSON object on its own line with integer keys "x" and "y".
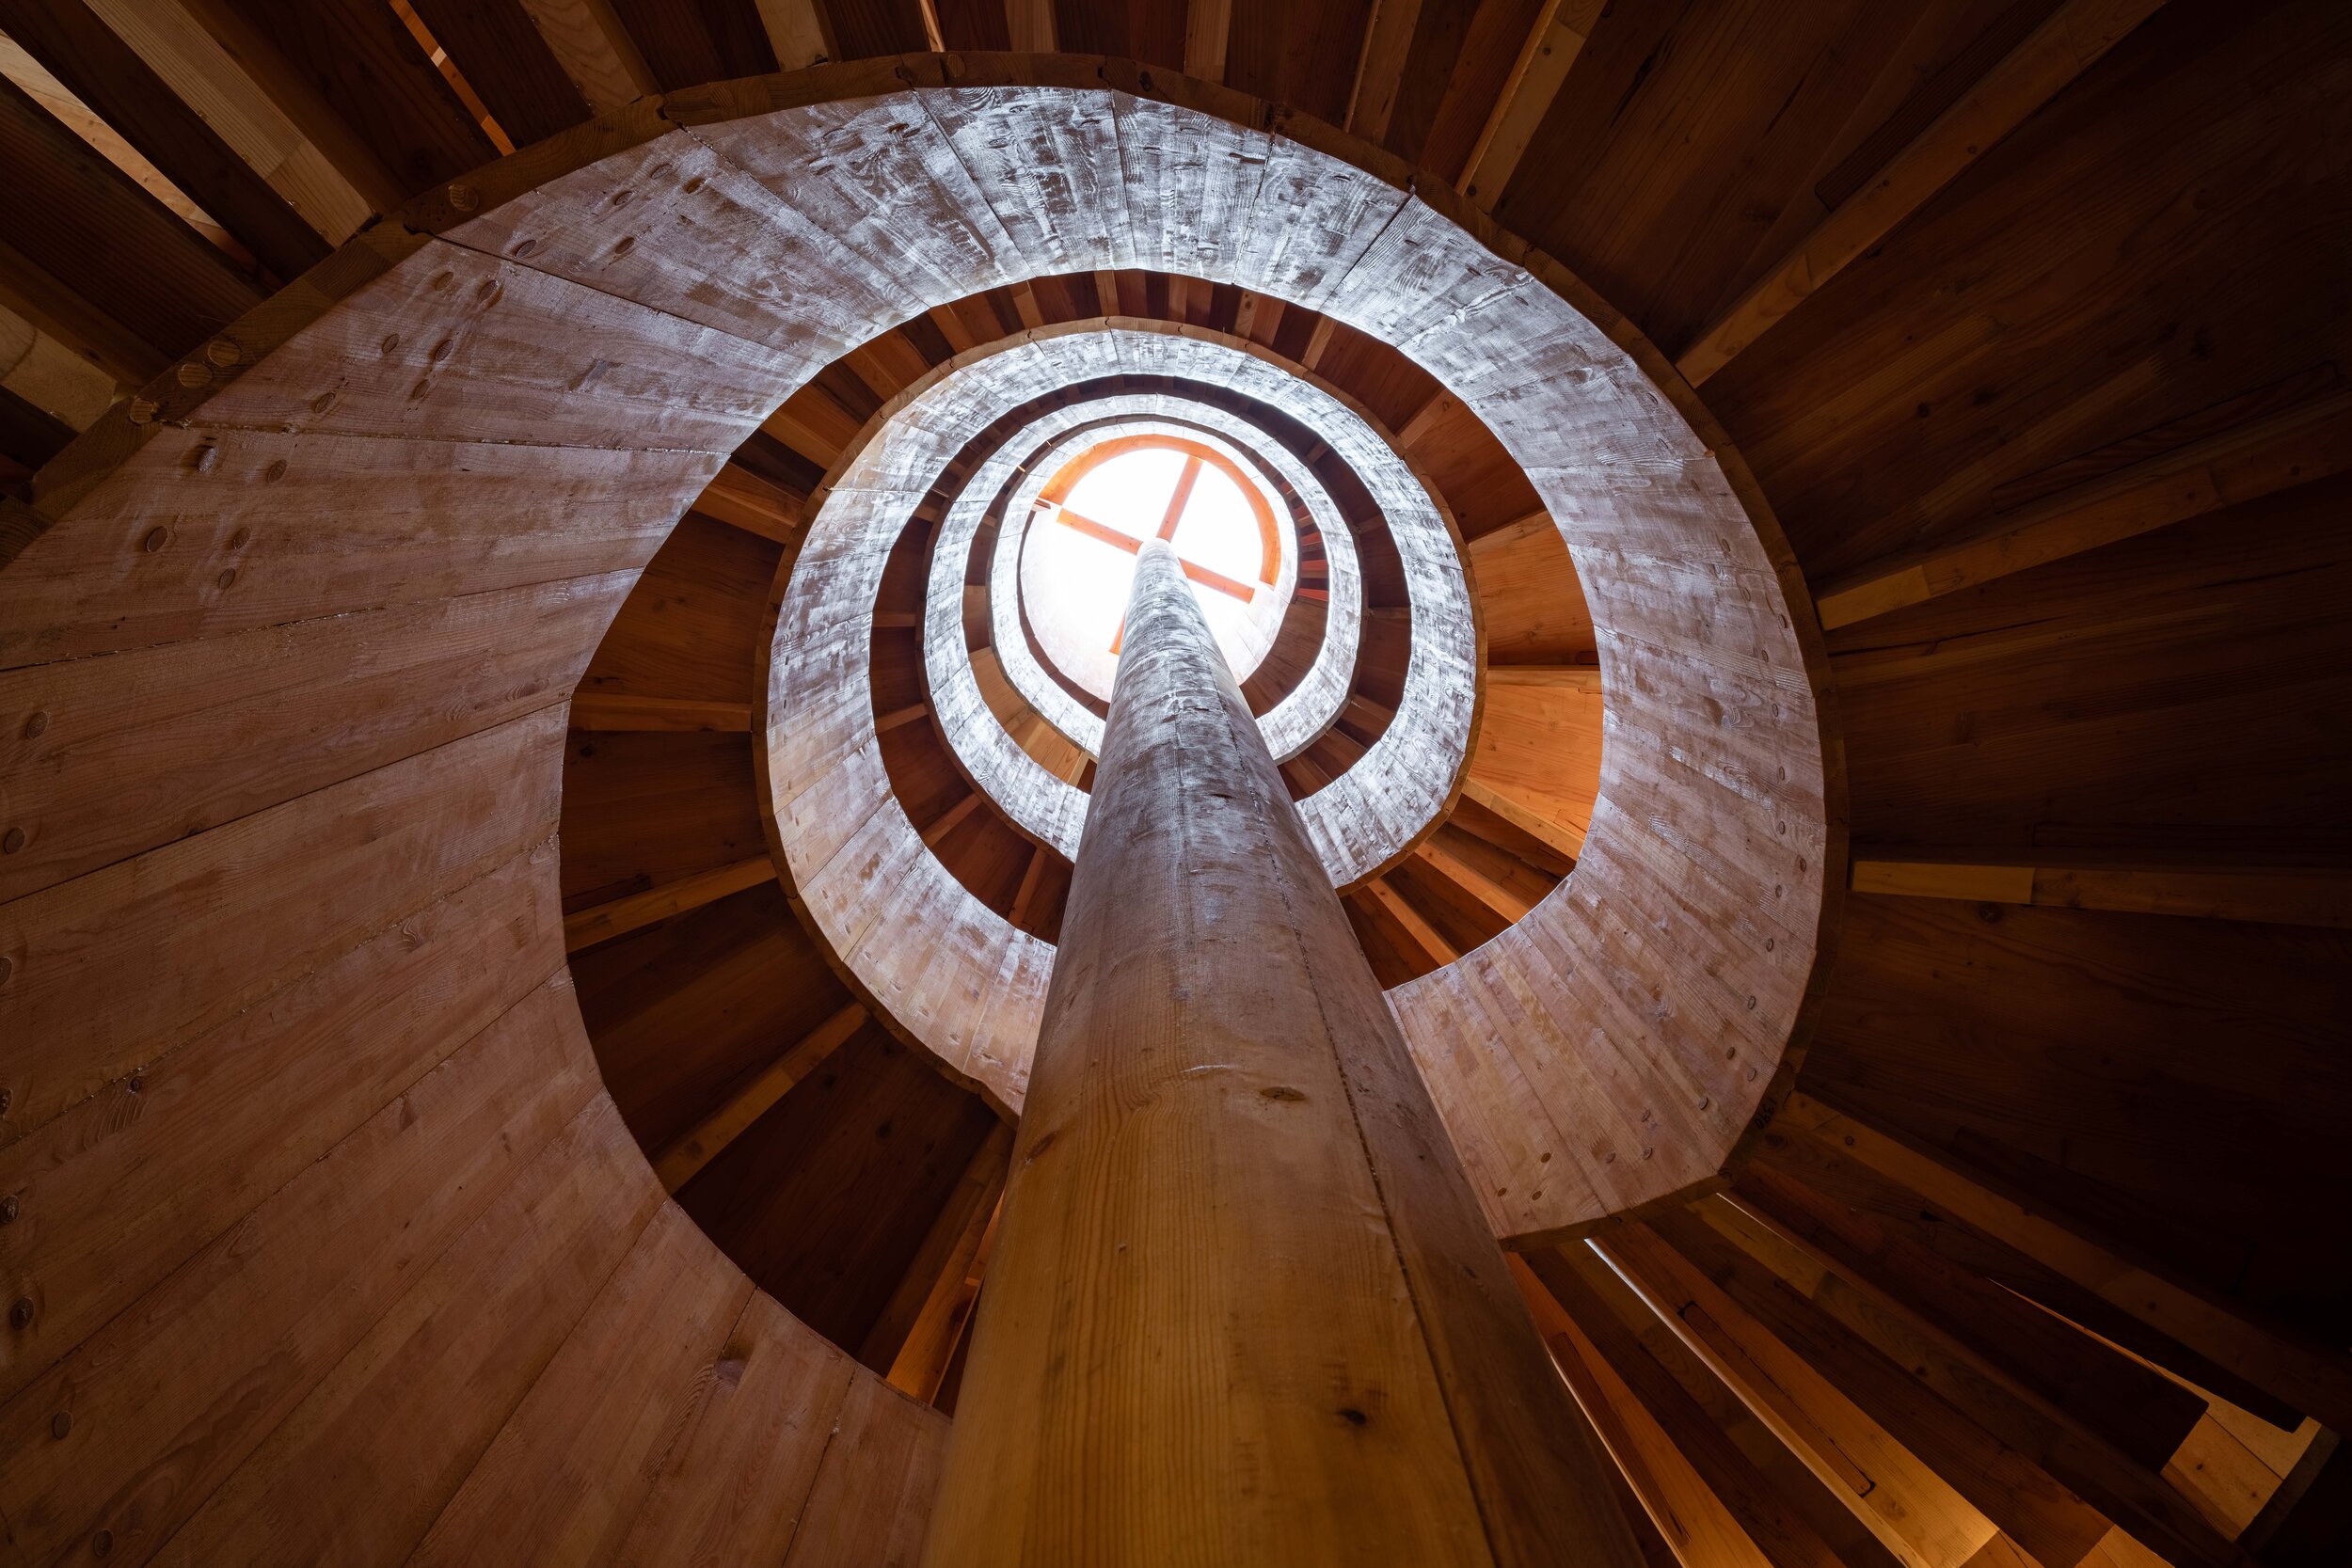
{"x": 200, "y": 73}
{"x": 586, "y": 927}
{"x": 1657, "y": 1461}
{"x": 1507, "y": 903}
{"x": 1318, "y": 341}
{"x": 1030, "y": 25}
{"x": 51, "y": 376}
{"x": 1208, "y": 28}
{"x": 679, "y": 1164}
{"x": 949, "y": 821}
{"x": 1381, "y": 67}
{"x": 1512, "y": 533}
{"x": 594, "y": 50}
{"x": 85, "y": 233}
{"x": 740, "y": 496}
{"x": 2257, "y": 459}
{"x": 1573, "y": 677}
{"x": 351, "y": 74}
{"x": 124, "y": 92}
{"x": 2309, "y": 1376}
{"x": 1551, "y": 48}
{"x": 1559, "y": 837}
{"x": 1436, "y": 952}
{"x": 910, "y": 1341}
{"x": 1032, "y": 884}
{"x": 798, "y": 32}
{"x": 2205, "y": 889}
{"x": 1596, "y": 1303}
{"x": 897, "y": 717}
{"x": 2052, "y": 55}
{"x": 613, "y": 710}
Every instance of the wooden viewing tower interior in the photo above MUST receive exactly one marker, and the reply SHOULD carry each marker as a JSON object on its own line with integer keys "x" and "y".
{"x": 1068, "y": 782}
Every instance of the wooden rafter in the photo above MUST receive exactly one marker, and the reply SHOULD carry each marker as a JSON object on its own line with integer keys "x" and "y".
{"x": 1544, "y": 60}
{"x": 613, "y": 710}
{"x": 679, "y": 1164}
{"x": 586, "y": 927}
{"x": 2202, "y": 888}
{"x": 2259, "y": 458}
{"x": 2069, "y": 43}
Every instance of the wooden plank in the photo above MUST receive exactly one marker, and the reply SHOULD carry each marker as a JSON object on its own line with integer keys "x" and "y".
{"x": 1509, "y": 903}
{"x": 122, "y": 89}
{"x": 418, "y": 1399}
{"x": 872, "y": 1500}
{"x": 736, "y": 1487}
{"x": 2062, "y": 48}
{"x": 1577, "y": 677}
{"x": 2260, "y": 458}
{"x": 2199, "y": 889}
{"x": 1576, "y": 1281}
{"x": 908, "y": 1344}
{"x": 2125, "y": 1402}
{"x": 580, "y": 1456}
{"x": 679, "y": 1162}
{"x": 1433, "y": 949}
{"x": 1657, "y": 1462}
{"x": 2302, "y": 1375}
{"x": 1560, "y": 838}
{"x": 1931, "y": 1486}
{"x": 586, "y": 927}
{"x": 50, "y": 376}
{"x": 1030, "y": 25}
{"x": 200, "y": 73}
{"x": 248, "y": 906}
{"x": 120, "y": 1189}
{"x": 2065, "y": 1453}
{"x": 89, "y": 228}
{"x": 594, "y": 50}
{"x": 607, "y": 710}
{"x": 124, "y": 760}
{"x": 1208, "y": 26}
{"x": 509, "y": 63}
{"x": 163, "y": 1403}
{"x": 798, "y": 31}
{"x": 1559, "y": 34}
{"x": 1388, "y": 46}
{"x": 360, "y": 62}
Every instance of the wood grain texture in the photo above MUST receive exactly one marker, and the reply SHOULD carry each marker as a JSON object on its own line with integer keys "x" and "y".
{"x": 1207, "y": 972}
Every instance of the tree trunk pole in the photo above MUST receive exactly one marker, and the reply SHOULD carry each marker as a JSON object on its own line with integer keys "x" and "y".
{"x": 1243, "y": 1307}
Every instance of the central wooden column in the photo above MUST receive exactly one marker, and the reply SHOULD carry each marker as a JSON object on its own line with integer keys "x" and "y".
{"x": 1243, "y": 1307}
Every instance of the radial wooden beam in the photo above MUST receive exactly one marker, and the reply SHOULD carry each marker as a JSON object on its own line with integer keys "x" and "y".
{"x": 1030, "y": 25}
{"x": 1574, "y": 677}
{"x": 679, "y": 1164}
{"x": 1208, "y": 28}
{"x": 50, "y": 376}
{"x": 586, "y": 927}
{"x": 1559, "y": 837}
{"x": 1410, "y": 923}
{"x": 1207, "y": 972}
{"x": 613, "y": 710}
{"x": 2306, "y": 1375}
{"x": 910, "y": 1340}
{"x": 350, "y": 74}
{"x": 1512, "y": 533}
{"x": 1550, "y": 50}
{"x": 1507, "y": 903}
{"x": 203, "y": 75}
{"x": 594, "y": 50}
{"x": 2066, "y": 44}
{"x": 738, "y": 497}
{"x": 798, "y": 32}
{"x": 78, "y": 230}
{"x": 2209, "y": 888}
{"x": 109, "y": 76}
{"x": 2259, "y": 458}
{"x": 1381, "y": 67}
{"x": 949, "y": 821}
{"x": 1594, "y": 1303}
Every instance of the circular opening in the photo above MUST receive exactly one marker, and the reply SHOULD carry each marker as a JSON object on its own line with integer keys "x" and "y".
{"x": 1093, "y": 515}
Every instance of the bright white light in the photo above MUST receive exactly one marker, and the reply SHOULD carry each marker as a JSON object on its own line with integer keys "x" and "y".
{"x": 1079, "y": 558}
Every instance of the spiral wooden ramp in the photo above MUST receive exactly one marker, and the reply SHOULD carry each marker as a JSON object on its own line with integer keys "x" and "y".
{"x": 528, "y": 883}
